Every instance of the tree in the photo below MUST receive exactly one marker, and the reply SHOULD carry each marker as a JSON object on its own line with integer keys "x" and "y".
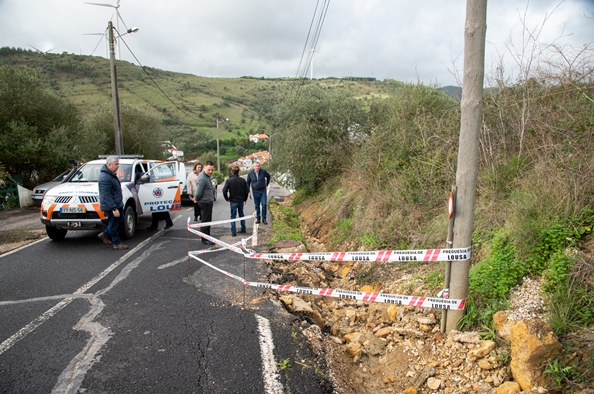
{"x": 37, "y": 128}
{"x": 314, "y": 143}
{"x": 196, "y": 143}
{"x": 143, "y": 133}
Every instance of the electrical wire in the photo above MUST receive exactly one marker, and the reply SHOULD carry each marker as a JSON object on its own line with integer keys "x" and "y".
{"x": 313, "y": 17}
{"x": 101, "y": 39}
{"x": 321, "y": 16}
{"x": 155, "y": 82}
{"x": 313, "y": 36}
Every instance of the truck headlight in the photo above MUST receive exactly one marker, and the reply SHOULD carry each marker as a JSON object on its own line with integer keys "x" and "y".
{"x": 48, "y": 199}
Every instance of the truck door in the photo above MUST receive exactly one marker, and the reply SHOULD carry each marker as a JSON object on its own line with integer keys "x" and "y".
{"x": 181, "y": 174}
{"x": 159, "y": 189}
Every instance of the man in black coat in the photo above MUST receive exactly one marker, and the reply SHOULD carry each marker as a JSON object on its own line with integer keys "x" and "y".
{"x": 111, "y": 202}
{"x": 235, "y": 192}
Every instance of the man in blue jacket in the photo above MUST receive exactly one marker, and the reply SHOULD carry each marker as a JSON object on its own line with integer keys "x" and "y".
{"x": 258, "y": 179}
{"x": 111, "y": 202}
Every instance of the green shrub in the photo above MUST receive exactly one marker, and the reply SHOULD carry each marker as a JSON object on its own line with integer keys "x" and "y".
{"x": 560, "y": 373}
{"x": 370, "y": 240}
{"x": 285, "y": 224}
{"x": 570, "y": 292}
{"x": 494, "y": 276}
{"x": 219, "y": 177}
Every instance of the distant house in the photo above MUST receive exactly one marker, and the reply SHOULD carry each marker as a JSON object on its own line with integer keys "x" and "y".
{"x": 261, "y": 157}
{"x": 171, "y": 151}
{"x": 258, "y": 138}
{"x": 244, "y": 162}
{"x": 247, "y": 162}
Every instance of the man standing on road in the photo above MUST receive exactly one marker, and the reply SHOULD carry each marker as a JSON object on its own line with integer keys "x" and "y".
{"x": 237, "y": 190}
{"x": 111, "y": 202}
{"x": 204, "y": 197}
{"x": 258, "y": 179}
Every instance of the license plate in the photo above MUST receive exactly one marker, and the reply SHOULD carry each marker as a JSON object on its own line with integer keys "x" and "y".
{"x": 73, "y": 210}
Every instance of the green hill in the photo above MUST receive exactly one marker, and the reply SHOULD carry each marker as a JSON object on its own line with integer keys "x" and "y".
{"x": 186, "y": 103}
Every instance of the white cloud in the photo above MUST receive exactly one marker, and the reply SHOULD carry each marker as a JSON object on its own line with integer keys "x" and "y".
{"x": 398, "y": 39}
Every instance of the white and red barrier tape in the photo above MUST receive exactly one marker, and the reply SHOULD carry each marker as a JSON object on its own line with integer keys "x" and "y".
{"x": 377, "y": 256}
{"x": 427, "y": 302}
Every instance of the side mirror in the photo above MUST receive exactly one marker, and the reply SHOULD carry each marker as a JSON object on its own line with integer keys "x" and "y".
{"x": 144, "y": 179}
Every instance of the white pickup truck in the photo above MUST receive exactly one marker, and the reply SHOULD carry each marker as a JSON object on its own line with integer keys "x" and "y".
{"x": 147, "y": 186}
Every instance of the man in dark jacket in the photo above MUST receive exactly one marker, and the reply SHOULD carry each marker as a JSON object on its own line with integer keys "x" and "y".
{"x": 204, "y": 196}
{"x": 111, "y": 202}
{"x": 236, "y": 192}
{"x": 258, "y": 179}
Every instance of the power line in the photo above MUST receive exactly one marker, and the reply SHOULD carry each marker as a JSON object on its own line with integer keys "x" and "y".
{"x": 307, "y": 39}
{"x": 313, "y": 36}
{"x": 155, "y": 82}
{"x": 321, "y": 16}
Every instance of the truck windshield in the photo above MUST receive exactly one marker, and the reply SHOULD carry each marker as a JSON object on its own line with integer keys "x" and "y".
{"x": 90, "y": 173}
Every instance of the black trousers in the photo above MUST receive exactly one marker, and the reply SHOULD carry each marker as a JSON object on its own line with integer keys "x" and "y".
{"x": 196, "y": 210}
{"x": 161, "y": 216}
{"x": 205, "y": 215}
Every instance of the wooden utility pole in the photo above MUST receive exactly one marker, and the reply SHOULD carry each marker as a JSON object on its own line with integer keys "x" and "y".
{"x": 115, "y": 98}
{"x": 468, "y": 151}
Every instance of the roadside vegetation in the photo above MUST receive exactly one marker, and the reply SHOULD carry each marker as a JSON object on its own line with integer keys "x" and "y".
{"x": 387, "y": 171}
{"x": 40, "y": 132}
{"x": 286, "y": 225}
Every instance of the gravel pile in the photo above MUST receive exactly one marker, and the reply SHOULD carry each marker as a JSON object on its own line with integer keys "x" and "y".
{"x": 526, "y": 301}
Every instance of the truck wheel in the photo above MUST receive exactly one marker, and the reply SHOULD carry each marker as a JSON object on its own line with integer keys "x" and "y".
{"x": 128, "y": 224}
{"x": 56, "y": 234}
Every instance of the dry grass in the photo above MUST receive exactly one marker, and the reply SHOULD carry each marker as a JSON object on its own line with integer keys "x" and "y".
{"x": 13, "y": 239}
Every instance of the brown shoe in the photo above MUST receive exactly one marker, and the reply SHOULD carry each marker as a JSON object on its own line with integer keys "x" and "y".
{"x": 104, "y": 239}
{"x": 120, "y": 246}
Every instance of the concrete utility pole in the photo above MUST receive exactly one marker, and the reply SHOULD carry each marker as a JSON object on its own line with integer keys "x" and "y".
{"x": 468, "y": 151}
{"x": 115, "y": 98}
{"x": 218, "y": 151}
{"x": 219, "y": 120}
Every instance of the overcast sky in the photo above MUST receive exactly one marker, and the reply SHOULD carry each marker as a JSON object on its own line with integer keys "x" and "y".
{"x": 410, "y": 41}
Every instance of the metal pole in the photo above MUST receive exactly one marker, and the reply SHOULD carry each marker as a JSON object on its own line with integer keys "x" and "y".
{"x": 115, "y": 99}
{"x": 468, "y": 152}
{"x": 448, "y": 265}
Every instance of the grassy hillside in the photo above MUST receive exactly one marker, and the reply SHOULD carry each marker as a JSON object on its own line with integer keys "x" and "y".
{"x": 186, "y": 103}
